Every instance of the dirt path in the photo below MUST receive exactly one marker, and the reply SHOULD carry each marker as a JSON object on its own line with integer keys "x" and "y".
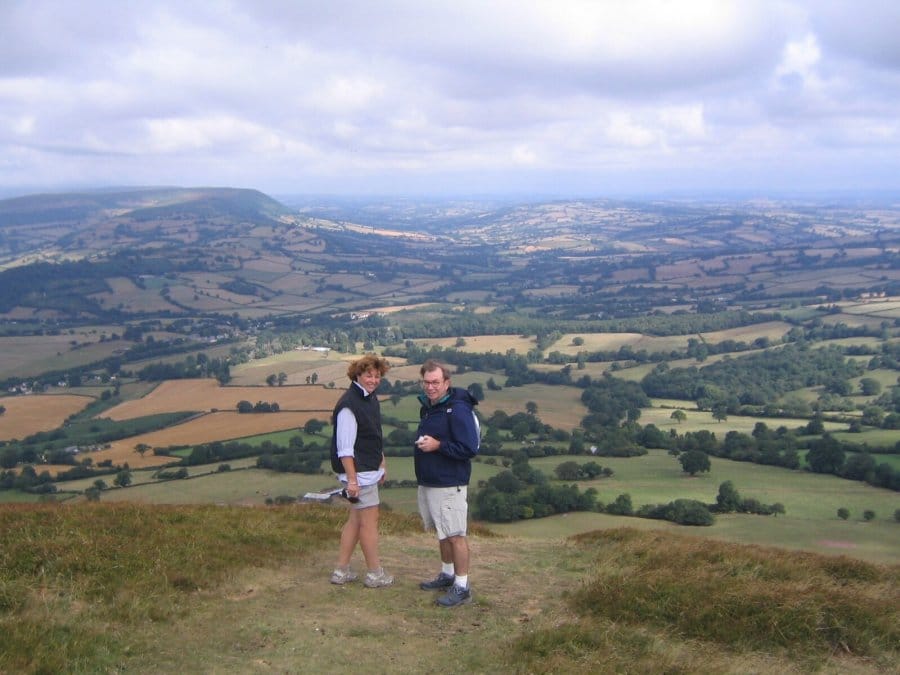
{"x": 292, "y": 620}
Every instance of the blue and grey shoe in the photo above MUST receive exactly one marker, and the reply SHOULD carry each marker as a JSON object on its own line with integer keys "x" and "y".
{"x": 455, "y": 596}
{"x": 439, "y": 583}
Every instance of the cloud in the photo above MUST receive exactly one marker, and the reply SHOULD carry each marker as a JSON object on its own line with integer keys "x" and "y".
{"x": 351, "y": 95}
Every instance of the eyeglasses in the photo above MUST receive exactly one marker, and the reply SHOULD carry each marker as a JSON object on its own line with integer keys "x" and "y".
{"x": 432, "y": 383}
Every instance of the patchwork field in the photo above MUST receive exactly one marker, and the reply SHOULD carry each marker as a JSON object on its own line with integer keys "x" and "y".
{"x": 27, "y": 415}
{"x": 218, "y": 426}
{"x": 206, "y": 395}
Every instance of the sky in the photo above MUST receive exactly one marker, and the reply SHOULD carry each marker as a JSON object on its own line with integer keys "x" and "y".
{"x": 419, "y": 97}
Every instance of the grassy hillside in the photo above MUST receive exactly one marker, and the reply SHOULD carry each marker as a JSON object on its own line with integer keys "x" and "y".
{"x": 811, "y": 500}
{"x": 104, "y": 588}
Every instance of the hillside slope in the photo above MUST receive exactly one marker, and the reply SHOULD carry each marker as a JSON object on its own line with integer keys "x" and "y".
{"x": 246, "y": 590}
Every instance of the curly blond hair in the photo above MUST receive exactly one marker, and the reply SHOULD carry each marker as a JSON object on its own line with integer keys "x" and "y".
{"x": 365, "y": 364}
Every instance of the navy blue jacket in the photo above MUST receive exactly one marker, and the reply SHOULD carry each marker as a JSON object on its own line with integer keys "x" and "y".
{"x": 452, "y": 421}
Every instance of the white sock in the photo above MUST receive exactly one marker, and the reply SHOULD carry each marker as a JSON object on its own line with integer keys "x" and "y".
{"x": 462, "y": 581}
{"x": 447, "y": 568}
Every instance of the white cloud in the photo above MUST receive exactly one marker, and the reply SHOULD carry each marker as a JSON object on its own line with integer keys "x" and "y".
{"x": 623, "y": 130}
{"x": 684, "y": 122}
{"x": 23, "y": 126}
{"x": 799, "y": 60}
{"x": 523, "y": 155}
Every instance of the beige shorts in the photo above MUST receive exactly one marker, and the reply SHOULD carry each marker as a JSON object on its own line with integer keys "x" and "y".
{"x": 444, "y": 510}
{"x": 368, "y": 497}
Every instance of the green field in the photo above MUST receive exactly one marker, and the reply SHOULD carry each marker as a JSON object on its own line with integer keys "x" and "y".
{"x": 810, "y": 500}
{"x": 697, "y": 420}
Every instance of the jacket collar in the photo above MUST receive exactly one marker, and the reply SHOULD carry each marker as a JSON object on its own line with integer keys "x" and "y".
{"x": 441, "y": 401}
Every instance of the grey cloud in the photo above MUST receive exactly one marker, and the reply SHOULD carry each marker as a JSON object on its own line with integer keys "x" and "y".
{"x": 350, "y": 93}
{"x": 860, "y": 29}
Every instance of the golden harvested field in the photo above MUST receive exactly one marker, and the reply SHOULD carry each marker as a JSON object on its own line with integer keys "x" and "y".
{"x": 26, "y": 415}
{"x": 398, "y": 308}
{"x": 886, "y": 307}
{"x": 560, "y": 407}
{"x": 773, "y": 330}
{"x": 206, "y": 394}
{"x": 297, "y": 365}
{"x": 498, "y": 344}
{"x": 597, "y": 342}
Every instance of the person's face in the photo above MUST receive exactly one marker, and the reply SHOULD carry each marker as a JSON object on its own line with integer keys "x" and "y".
{"x": 369, "y": 380}
{"x": 435, "y": 385}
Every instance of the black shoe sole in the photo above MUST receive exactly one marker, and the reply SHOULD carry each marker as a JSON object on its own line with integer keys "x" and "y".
{"x": 463, "y": 602}
{"x": 426, "y": 587}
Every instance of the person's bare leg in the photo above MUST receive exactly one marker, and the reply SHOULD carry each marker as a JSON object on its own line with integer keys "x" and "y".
{"x": 446, "y": 551}
{"x": 350, "y": 534}
{"x": 368, "y": 536}
{"x": 459, "y": 547}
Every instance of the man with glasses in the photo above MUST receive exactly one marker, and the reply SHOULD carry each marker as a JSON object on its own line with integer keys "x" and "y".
{"x": 448, "y": 438}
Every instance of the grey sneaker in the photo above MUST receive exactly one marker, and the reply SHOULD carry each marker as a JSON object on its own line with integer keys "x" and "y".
{"x": 377, "y": 579}
{"x": 455, "y": 596}
{"x": 440, "y": 582}
{"x": 341, "y": 577}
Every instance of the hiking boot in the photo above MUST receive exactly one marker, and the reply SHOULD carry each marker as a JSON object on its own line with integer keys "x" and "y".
{"x": 377, "y": 579}
{"x": 439, "y": 583}
{"x": 341, "y": 577}
{"x": 455, "y": 596}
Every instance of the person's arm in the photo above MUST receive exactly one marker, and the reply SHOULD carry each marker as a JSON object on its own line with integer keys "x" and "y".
{"x": 462, "y": 443}
{"x": 346, "y": 440}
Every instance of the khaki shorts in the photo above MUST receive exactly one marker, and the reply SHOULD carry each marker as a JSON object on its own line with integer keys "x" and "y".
{"x": 444, "y": 510}
{"x": 368, "y": 497}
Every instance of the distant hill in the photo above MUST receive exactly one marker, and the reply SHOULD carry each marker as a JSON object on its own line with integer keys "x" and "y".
{"x": 138, "y": 203}
{"x": 75, "y": 225}
{"x": 163, "y": 251}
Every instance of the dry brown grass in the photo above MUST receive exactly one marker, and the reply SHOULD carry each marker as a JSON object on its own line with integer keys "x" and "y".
{"x": 26, "y": 415}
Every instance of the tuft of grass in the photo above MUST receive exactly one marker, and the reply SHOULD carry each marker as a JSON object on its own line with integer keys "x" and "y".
{"x": 743, "y": 597}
